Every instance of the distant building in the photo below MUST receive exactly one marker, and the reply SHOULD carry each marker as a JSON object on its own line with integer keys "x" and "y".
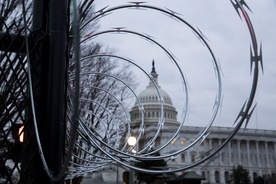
{"x": 254, "y": 149}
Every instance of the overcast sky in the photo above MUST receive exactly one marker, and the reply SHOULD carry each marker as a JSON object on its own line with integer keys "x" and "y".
{"x": 230, "y": 41}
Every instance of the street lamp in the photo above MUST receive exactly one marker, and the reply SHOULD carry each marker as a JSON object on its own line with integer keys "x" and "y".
{"x": 131, "y": 142}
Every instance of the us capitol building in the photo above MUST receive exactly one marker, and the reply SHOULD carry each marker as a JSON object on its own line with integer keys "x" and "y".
{"x": 254, "y": 149}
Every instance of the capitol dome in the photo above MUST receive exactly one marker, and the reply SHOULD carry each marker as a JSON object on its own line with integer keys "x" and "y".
{"x": 151, "y": 99}
{"x": 152, "y": 93}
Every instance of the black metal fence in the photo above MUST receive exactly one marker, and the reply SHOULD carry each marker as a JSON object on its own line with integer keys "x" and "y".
{"x": 20, "y": 158}
{"x": 15, "y": 141}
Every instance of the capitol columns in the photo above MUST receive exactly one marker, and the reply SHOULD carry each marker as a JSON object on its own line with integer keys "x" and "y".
{"x": 248, "y": 153}
{"x": 229, "y": 153}
{"x": 258, "y": 154}
{"x": 266, "y": 155}
{"x": 221, "y": 154}
{"x": 212, "y": 175}
{"x": 221, "y": 175}
{"x": 210, "y": 143}
{"x": 239, "y": 150}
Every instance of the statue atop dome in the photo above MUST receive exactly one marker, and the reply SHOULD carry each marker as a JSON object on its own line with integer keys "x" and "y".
{"x": 153, "y": 73}
{"x": 153, "y": 67}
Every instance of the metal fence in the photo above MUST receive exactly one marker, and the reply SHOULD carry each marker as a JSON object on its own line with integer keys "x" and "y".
{"x": 22, "y": 35}
{"x": 17, "y": 148}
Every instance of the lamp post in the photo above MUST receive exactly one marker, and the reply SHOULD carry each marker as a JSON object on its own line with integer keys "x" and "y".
{"x": 131, "y": 142}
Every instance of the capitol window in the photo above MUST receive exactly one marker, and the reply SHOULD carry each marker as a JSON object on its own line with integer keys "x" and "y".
{"x": 183, "y": 157}
{"x": 203, "y": 174}
{"x": 192, "y": 158}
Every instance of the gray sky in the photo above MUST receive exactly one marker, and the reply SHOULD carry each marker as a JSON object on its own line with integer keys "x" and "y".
{"x": 230, "y": 41}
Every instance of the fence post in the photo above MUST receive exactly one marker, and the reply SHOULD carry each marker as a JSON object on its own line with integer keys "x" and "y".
{"x": 49, "y": 59}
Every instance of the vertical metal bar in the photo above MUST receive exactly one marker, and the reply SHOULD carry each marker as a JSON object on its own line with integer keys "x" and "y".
{"x": 56, "y": 98}
{"x": 48, "y": 65}
{"x": 32, "y": 167}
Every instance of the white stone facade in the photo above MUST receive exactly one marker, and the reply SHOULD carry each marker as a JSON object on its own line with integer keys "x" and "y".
{"x": 254, "y": 149}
